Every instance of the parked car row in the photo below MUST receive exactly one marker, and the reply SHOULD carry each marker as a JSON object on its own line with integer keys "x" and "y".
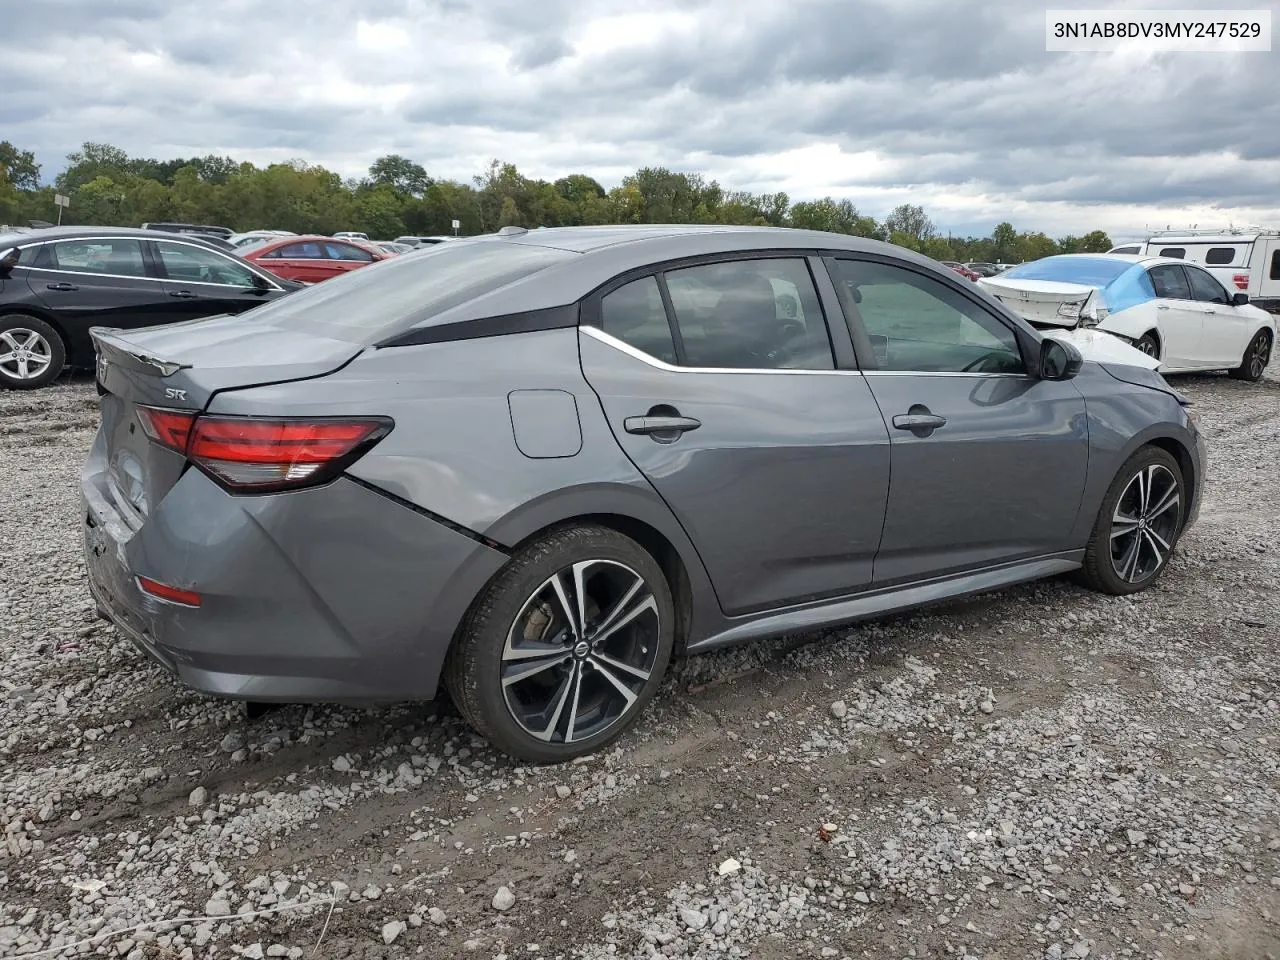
{"x": 1244, "y": 260}
{"x": 309, "y": 502}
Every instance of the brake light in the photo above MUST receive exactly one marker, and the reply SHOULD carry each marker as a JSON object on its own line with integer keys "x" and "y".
{"x": 1241, "y": 280}
{"x": 258, "y": 454}
{"x": 169, "y": 428}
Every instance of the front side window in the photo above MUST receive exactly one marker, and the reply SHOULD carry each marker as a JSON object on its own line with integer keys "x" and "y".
{"x": 196, "y": 265}
{"x": 750, "y": 314}
{"x": 1204, "y": 288}
{"x": 917, "y": 323}
{"x": 1170, "y": 282}
{"x": 635, "y": 315}
{"x": 345, "y": 251}
{"x": 117, "y": 257}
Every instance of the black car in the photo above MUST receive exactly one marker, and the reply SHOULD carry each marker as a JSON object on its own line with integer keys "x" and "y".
{"x": 55, "y": 284}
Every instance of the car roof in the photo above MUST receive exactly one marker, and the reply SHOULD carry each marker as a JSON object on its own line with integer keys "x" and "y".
{"x": 77, "y": 233}
{"x": 1135, "y": 258}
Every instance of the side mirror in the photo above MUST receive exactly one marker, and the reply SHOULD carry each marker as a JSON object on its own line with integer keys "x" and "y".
{"x": 1239, "y": 299}
{"x": 8, "y": 260}
{"x": 260, "y": 284}
{"x": 1059, "y": 360}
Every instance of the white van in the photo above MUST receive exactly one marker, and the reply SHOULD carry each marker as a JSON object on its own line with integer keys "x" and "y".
{"x": 1247, "y": 260}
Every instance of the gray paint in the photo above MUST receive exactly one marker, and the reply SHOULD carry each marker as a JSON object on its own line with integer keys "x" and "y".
{"x": 794, "y": 504}
{"x": 545, "y": 423}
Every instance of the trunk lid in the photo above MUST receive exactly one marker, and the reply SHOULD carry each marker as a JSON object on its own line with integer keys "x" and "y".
{"x": 180, "y": 367}
{"x": 1052, "y": 303}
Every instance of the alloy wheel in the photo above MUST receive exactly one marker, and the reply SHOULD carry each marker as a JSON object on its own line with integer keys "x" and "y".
{"x": 1259, "y": 354}
{"x": 24, "y": 354}
{"x": 1147, "y": 346}
{"x": 1145, "y": 523}
{"x": 580, "y": 651}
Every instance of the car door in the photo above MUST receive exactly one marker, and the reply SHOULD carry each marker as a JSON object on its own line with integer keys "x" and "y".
{"x": 1179, "y": 318}
{"x": 301, "y": 260}
{"x": 988, "y": 461}
{"x": 98, "y": 281}
{"x": 719, "y": 383}
{"x": 203, "y": 282}
{"x": 1226, "y": 329}
{"x": 346, "y": 257}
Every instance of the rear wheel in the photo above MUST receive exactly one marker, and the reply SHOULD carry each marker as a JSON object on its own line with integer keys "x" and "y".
{"x": 1149, "y": 345}
{"x": 1256, "y": 357}
{"x": 31, "y": 352}
{"x": 566, "y": 645}
{"x": 1138, "y": 525}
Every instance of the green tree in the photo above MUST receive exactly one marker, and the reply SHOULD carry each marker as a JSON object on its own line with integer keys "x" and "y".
{"x": 912, "y": 221}
{"x": 19, "y": 167}
{"x": 1096, "y": 241}
{"x": 400, "y": 174}
{"x": 1068, "y": 244}
{"x": 1033, "y": 246}
{"x": 833, "y": 216}
{"x": 92, "y": 160}
{"x": 1003, "y": 239}
{"x": 938, "y": 247}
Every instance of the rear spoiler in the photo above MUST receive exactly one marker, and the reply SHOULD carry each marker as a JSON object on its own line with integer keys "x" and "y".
{"x": 113, "y": 348}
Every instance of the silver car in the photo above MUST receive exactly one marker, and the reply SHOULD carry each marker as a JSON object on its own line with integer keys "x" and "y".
{"x": 534, "y": 466}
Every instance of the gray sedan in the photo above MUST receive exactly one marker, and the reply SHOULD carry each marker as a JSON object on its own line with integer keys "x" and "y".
{"x": 534, "y": 466}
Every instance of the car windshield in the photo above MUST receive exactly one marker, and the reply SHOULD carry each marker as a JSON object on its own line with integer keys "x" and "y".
{"x": 365, "y": 306}
{"x": 1090, "y": 271}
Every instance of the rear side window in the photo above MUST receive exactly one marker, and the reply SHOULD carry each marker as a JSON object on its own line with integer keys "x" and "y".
{"x": 750, "y": 314}
{"x": 1178, "y": 253}
{"x": 1204, "y": 288}
{"x": 1220, "y": 256}
{"x": 1275, "y": 266}
{"x": 310, "y": 250}
{"x": 364, "y": 306}
{"x": 345, "y": 251}
{"x": 1126, "y": 250}
{"x": 1170, "y": 282}
{"x": 635, "y": 315}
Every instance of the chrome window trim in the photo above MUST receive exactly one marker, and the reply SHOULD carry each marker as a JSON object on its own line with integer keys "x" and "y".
{"x": 121, "y": 276}
{"x": 637, "y": 354}
{"x": 947, "y": 373}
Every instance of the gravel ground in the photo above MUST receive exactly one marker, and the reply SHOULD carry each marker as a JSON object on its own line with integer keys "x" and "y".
{"x": 1042, "y": 772}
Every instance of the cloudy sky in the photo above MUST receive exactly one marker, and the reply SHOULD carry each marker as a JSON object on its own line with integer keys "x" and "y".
{"x": 953, "y": 104}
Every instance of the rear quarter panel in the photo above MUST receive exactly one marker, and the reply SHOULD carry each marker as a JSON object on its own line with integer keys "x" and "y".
{"x": 453, "y": 450}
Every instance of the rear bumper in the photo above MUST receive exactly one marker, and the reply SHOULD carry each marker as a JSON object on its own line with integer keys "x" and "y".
{"x": 330, "y": 594}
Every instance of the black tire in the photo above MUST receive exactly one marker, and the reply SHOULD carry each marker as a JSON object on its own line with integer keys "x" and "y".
{"x": 32, "y": 353}
{"x": 1256, "y": 357}
{"x": 507, "y": 702}
{"x": 1149, "y": 344}
{"x": 1109, "y": 566}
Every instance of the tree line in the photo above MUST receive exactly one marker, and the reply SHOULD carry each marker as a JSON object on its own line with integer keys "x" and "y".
{"x": 397, "y": 197}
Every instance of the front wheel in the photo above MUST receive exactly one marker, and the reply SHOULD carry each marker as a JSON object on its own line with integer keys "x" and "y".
{"x": 1256, "y": 357}
{"x": 565, "y": 647}
{"x": 1138, "y": 525}
{"x": 1149, "y": 345}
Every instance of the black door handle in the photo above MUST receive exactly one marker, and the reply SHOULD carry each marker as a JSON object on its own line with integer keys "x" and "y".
{"x": 62, "y": 286}
{"x": 919, "y": 421}
{"x": 181, "y": 294}
{"x": 659, "y": 425}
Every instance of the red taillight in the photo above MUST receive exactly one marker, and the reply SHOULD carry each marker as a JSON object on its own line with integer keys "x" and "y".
{"x": 262, "y": 454}
{"x": 188, "y": 598}
{"x": 169, "y": 428}
{"x": 1241, "y": 280}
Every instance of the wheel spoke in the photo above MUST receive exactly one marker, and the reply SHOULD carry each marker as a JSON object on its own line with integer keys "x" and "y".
{"x": 1159, "y": 540}
{"x": 562, "y": 696}
{"x": 570, "y": 613}
{"x": 1144, "y": 490}
{"x": 6, "y": 357}
{"x": 33, "y": 340}
{"x": 22, "y": 368}
{"x": 621, "y": 605}
{"x": 1170, "y": 499}
{"x": 1154, "y": 548}
{"x": 1129, "y": 562}
{"x": 637, "y": 672}
{"x": 573, "y": 710}
{"x": 580, "y": 595}
{"x": 10, "y": 339}
{"x": 621, "y": 687}
{"x": 648, "y": 603}
{"x": 533, "y": 669}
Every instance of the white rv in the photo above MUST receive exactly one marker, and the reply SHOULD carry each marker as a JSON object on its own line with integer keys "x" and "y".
{"x": 1246, "y": 260}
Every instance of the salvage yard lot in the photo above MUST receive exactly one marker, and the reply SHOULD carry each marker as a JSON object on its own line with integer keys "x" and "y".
{"x": 1045, "y": 772}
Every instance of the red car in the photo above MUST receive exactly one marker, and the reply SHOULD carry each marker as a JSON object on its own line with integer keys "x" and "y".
{"x": 311, "y": 258}
{"x": 961, "y": 269}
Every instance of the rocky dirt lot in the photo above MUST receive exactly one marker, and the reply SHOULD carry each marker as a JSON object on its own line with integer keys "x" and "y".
{"x": 1039, "y": 773}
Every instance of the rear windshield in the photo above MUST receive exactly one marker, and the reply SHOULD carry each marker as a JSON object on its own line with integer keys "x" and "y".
{"x": 390, "y": 297}
{"x": 1090, "y": 271}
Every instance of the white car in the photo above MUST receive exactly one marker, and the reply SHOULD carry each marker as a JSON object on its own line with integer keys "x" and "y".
{"x": 1171, "y": 310}
{"x": 1247, "y": 260}
{"x": 350, "y": 235}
